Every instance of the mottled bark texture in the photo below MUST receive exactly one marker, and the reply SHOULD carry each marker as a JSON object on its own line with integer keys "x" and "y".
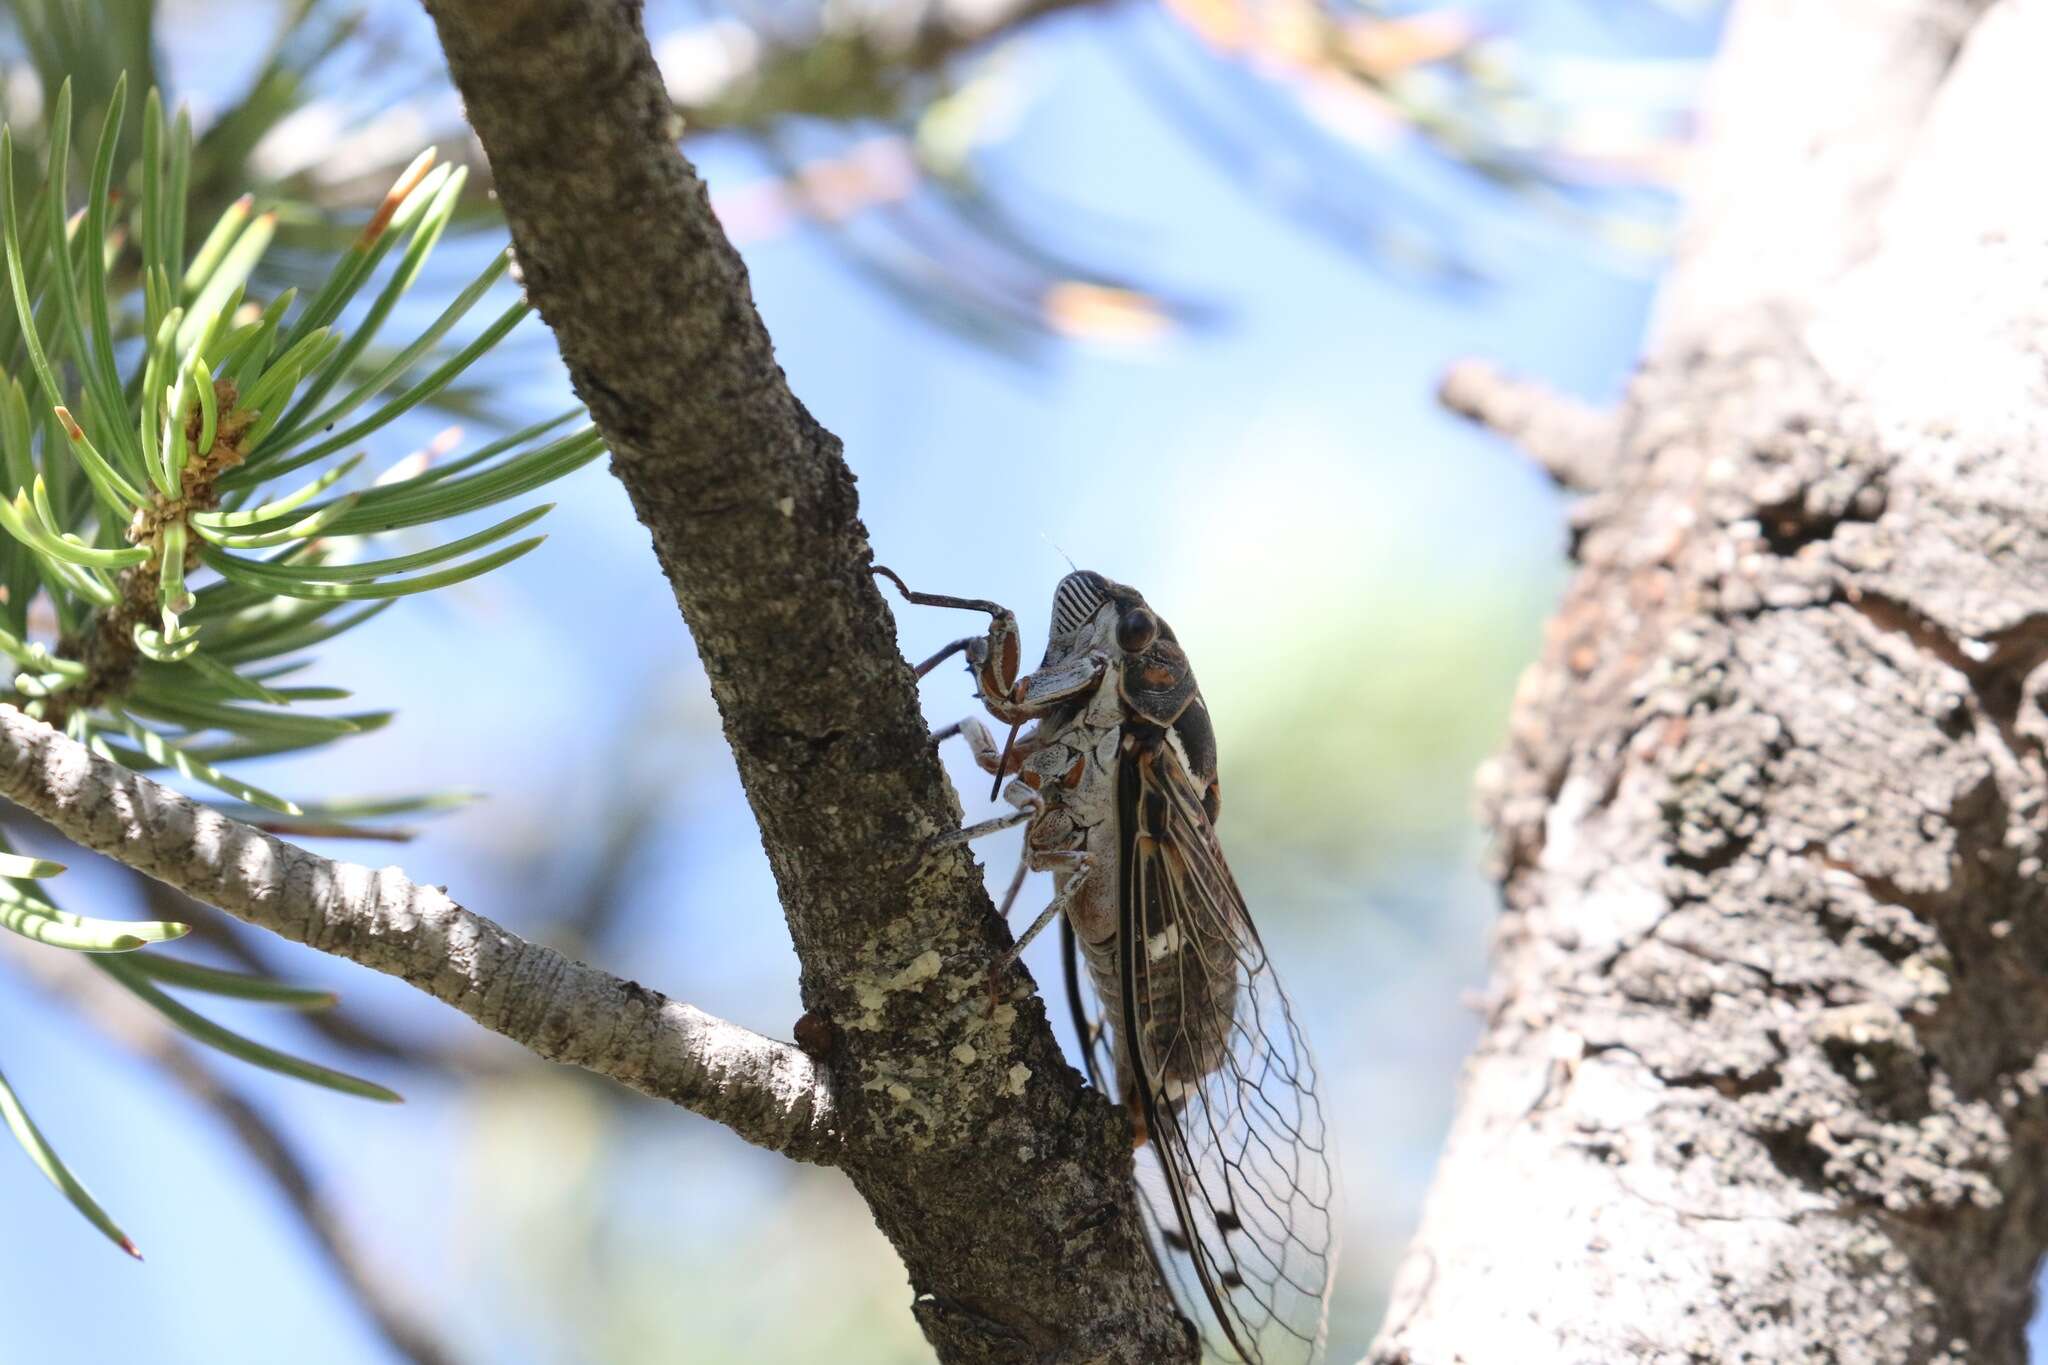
{"x": 1000, "y": 1178}
{"x": 768, "y": 1092}
{"x": 1762, "y": 1073}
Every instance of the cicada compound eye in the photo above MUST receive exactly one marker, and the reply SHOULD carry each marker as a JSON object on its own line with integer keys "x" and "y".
{"x": 1136, "y": 629}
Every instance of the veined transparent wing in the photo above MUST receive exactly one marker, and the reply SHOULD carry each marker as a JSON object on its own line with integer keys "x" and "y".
{"x": 1206, "y": 1051}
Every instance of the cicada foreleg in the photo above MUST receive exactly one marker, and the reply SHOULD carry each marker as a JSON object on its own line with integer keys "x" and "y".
{"x": 996, "y": 660}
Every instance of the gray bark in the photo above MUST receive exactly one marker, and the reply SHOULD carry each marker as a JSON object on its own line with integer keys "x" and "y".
{"x": 1002, "y": 1180}
{"x": 1762, "y": 1072}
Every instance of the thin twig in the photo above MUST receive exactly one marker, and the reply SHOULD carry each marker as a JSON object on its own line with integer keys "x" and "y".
{"x": 1576, "y": 444}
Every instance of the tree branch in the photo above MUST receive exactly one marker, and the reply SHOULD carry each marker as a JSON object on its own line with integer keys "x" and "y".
{"x": 767, "y": 1092}
{"x": 341, "y": 1027}
{"x": 858, "y": 64}
{"x": 1003, "y": 1181}
{"x": 1576, "y": 444}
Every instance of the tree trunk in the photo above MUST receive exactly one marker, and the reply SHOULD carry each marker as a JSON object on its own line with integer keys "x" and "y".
{"x": 1762, "y": 1073}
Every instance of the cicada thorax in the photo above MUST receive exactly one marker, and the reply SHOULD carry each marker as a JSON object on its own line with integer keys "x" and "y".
{"x": 1070, "y": 771}
{"x": 1157, "y": 685}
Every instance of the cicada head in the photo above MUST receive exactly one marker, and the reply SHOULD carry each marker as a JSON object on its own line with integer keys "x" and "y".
{"x": 1090, "y": 611}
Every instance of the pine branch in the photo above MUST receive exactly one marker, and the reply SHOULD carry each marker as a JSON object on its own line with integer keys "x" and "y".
{"x": 861, "y": 65}
{"x": 566, "y": 1011}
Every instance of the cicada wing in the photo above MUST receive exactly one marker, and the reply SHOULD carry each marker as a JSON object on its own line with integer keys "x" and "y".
{"x": 1209, "y": 1053}
{"x": 1088, "y": 1029}
{"x": 1149, "y": 1177}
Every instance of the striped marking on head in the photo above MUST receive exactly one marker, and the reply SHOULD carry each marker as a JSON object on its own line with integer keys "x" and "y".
{"x": 1077, "y": 598}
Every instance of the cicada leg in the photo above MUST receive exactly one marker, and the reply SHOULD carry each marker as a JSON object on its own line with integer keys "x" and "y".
{"x": 966, "y": 642}
{"x": 1057, "y": 907}
{"x": 937, "y": 599}
{"x": 996, "y": 660}
{"x": 1002, "y": 762}
{"x": 1027, "y": 804}
{"x": 1080, "y": 865}
{"x": 969, "y": 833}
{"x": 1016, "y": 886}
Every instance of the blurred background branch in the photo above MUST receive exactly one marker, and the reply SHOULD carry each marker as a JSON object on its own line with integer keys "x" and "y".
{"x": 73, "y": 984}
{"x": 884, "y": 125}
{"x": 1575, "y": 442}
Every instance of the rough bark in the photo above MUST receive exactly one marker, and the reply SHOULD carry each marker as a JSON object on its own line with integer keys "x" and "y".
{"x": 1000, "y": 1178}
{"x": 1762, "y": 1073}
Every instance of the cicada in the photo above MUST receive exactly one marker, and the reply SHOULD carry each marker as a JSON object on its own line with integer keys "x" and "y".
{"x": 1115, "y": 781}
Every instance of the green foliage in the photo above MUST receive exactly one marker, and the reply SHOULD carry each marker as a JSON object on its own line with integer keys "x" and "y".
{"x": 178, "y": 519}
